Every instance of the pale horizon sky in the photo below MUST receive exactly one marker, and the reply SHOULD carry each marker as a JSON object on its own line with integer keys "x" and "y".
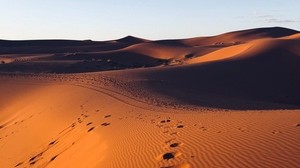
{"x": 150, "y": 19}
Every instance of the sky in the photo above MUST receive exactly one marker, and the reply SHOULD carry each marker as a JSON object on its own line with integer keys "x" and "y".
{"x": 150, "y": 19}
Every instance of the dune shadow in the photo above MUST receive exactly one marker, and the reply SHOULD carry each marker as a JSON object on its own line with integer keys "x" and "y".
{"x": 266, "y": 82}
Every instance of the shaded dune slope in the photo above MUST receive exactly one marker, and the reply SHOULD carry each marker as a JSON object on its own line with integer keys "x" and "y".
{"x": 64, "y": 46}
{"x": 55, "y": 46}
{"x": 71, "y": 56}
{"x": 82, "y": 62}
{"x": 263, "y": 74}
{"x": 241, "y": 36}
{"x": 178, "y": 51}
{"x": 132, "y": 40}
{"x": 66, "y": 56}
{"x": 249, "y": 69}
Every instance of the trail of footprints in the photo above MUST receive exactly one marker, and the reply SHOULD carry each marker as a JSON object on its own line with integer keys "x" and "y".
{"x": 167, "y": 126}
{"x": 80, "y": 120}
{"x": 172, "y": 130}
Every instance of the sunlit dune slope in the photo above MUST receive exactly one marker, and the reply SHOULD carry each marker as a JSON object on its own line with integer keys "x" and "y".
{"x": 82, "y": 121}
{"x": 230, "y": 100}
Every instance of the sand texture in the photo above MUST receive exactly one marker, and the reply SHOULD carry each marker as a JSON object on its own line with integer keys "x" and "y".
{"x": 231, "y": 100}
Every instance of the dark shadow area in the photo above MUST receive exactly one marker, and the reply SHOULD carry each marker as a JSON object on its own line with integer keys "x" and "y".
{"x": 60, "y": 46}
{"x": 79, "y": 63}
{"x": 273, "y": 32}
{"x": 263, "y": 82}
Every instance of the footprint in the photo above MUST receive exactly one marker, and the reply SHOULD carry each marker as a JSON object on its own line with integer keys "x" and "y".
{"x": 73, "y": 125}
{"x": 51, "y": 143}
{"x": 53, "y": 158}
{"x": 203, "y": 128}
{"x": 19, "y": 164}
{"x": 105, "y": 124}
{"x": 79, "y": 120}
{"x": 32, "y": 163}
{"x": 298, "y": 125}
{"x": 89, "y": 123}
{"x": 174, "y": 145}
{"x": 84, "y": 115}
{"x": 36, "y": 156}
{"x": 91, "y": 129}
{"x": 276, "y": 132}
{"x": 107, "y": 116}
{"x": 180, "y": 126}
{"x": 241, "y": 129}
{"x": 34, "y": 159}
{"x": 168, "y": 156}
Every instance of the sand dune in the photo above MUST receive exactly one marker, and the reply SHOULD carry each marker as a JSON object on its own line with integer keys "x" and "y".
{"x": 100, "y": 128}
{"x": 181, "y": 50}
{"x": 58, "y": 46}
{"x": 254, "y": 48}
{"x": 131, "y": 40}
{"x": 261, "y": 74}
{"x": 242, "y": 36}
{"x": 112, "y": 55}
{"x": 230, "y": 100}
{"x": 249, "y": 83}
{"x": 219, "y": 55}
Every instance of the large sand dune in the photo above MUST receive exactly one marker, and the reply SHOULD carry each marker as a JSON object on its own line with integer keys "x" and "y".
{"x": 265, "y": 70}
{"x": 230, "y": 100}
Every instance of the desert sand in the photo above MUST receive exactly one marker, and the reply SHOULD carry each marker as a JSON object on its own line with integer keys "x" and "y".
{"x": 230, "y": 100}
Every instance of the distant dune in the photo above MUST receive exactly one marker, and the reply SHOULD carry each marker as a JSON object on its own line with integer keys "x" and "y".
{"x": 131, "y": 40}
{"x": 258, "y": 68}
{"x": 65, "y": 56}
{"x": 231, "y": 100}
{"x": 263, "y": 71}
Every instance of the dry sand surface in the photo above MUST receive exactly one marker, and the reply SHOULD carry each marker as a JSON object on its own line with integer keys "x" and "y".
{"x": 73, "y": 123}
{"x": 224, "y": 101}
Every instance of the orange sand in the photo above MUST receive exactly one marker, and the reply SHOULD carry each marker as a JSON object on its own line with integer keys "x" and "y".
{"x": 230, "y": 100}
{"x": 59, "y": 124}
